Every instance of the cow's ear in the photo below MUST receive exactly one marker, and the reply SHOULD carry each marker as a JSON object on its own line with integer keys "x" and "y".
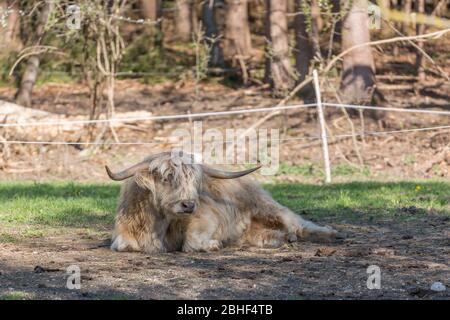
{"x": 145, "y": 180}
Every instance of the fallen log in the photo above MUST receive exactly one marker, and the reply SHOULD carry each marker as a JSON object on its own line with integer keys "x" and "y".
{"x": 28, "y": 120}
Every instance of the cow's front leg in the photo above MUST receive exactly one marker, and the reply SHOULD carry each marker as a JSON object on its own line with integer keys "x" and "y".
{"x": 123, "y": 243}
{"x": 149, "y": 244}
{"x": 200, "y": 235}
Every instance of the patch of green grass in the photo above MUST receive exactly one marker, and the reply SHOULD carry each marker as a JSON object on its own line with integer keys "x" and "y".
{"x": 344, "y": 170}
{"x": 314, "y": 171}
{"x": 366, "y": 200}
{"x": 307, "y": 170}
{"x": 8, "y": 238}
{"x": 32, "y": 233}
{"x": 29, "y": 209}
{"x": 57, "y": 204}
{"x": 16, "y": 295}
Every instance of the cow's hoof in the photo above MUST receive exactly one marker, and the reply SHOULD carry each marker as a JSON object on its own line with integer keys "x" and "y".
{"x": 213, "y": 245}
{"x": 291, "y": 237}
{"x": 330, "y": 232}
{"x": 319, "y": 234}
{"x": 206, "y": 246}
{"x": 119, "y": 244}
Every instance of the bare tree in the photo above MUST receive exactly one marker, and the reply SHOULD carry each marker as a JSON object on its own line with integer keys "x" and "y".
{"x": 101, "y": 33}
{"x": 23, "y": 95}
{"x": 358, "y": 72}
{"x": 183, "y": 19}
{"x": 278, "y": 71}
{"x": 303, "y": 45}
{"x": 212, "y": 34}
{"x": 237, "y": 32}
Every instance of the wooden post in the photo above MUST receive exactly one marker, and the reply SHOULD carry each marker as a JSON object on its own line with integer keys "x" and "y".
{"x": 323, "y": 130}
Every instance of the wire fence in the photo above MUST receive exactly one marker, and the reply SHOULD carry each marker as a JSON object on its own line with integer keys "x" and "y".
{"x": 168, "y": 142}
{"x": 190, "y": 116}
{"x": 157, "y": 118}
{"x": 362, "y": 107}
{"x": 319, "y": 105}
{"x": 224, "y": 113}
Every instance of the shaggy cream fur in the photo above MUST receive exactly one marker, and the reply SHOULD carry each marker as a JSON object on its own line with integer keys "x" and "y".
{"x": 227, "y": 212}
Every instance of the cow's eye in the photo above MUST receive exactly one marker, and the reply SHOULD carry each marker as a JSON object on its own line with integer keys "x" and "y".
{"x": 167, "y": 179}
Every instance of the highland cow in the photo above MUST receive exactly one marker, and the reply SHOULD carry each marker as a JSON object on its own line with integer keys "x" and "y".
{"x": 170, "y": 203}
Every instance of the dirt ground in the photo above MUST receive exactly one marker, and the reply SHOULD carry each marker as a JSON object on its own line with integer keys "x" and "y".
{"x": 411, "y": 257}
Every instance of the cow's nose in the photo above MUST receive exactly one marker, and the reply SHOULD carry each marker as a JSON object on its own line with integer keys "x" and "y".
{"x": 188, "y": 206}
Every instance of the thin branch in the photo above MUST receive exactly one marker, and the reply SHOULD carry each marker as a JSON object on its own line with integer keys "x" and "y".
{"x": 432, "y": 35}
{"x": 426, "y": 55}
{"x": 38, "y": 50}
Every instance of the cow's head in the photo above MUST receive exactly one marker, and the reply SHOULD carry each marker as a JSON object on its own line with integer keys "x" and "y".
{"x": 174, "y": 180}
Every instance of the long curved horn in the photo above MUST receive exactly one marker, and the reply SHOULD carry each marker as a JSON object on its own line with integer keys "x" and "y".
{"x": 129, "y": 172}
{"x": 221, "y": 174}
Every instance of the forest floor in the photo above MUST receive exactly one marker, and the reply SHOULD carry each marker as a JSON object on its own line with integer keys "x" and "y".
{"x": 403, "y": 228}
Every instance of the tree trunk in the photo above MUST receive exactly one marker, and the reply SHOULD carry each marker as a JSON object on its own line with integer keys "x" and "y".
{"x": 336, "y": 10}
{"x": 386, "y": 31}
{"x": 237, "y": 32}
{"x": 278, "y": 71}
{"x": 358, "y": 72}
{"x": 151, "y": 9}
{"x": 3, "y": 28}
{"x": 407, "y": 6}
{"x": 9, "y": 32}
{"x": 183, "y": 20}
{"x": 440, "y": 8}
{"x": 315, "y": 23}
{"x": 303, "y": 45}
{"x": 23, "y": 95}
{"x": 420, "y": 29}
{"x": 211, "y": 34}
{"x": 13, "y": 21}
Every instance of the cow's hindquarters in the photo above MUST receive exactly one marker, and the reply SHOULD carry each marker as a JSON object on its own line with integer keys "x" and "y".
{"x": 273, "y": 215}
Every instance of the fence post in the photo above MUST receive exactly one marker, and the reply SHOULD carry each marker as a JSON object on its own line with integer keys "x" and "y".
{"x": 323, "y": 130}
